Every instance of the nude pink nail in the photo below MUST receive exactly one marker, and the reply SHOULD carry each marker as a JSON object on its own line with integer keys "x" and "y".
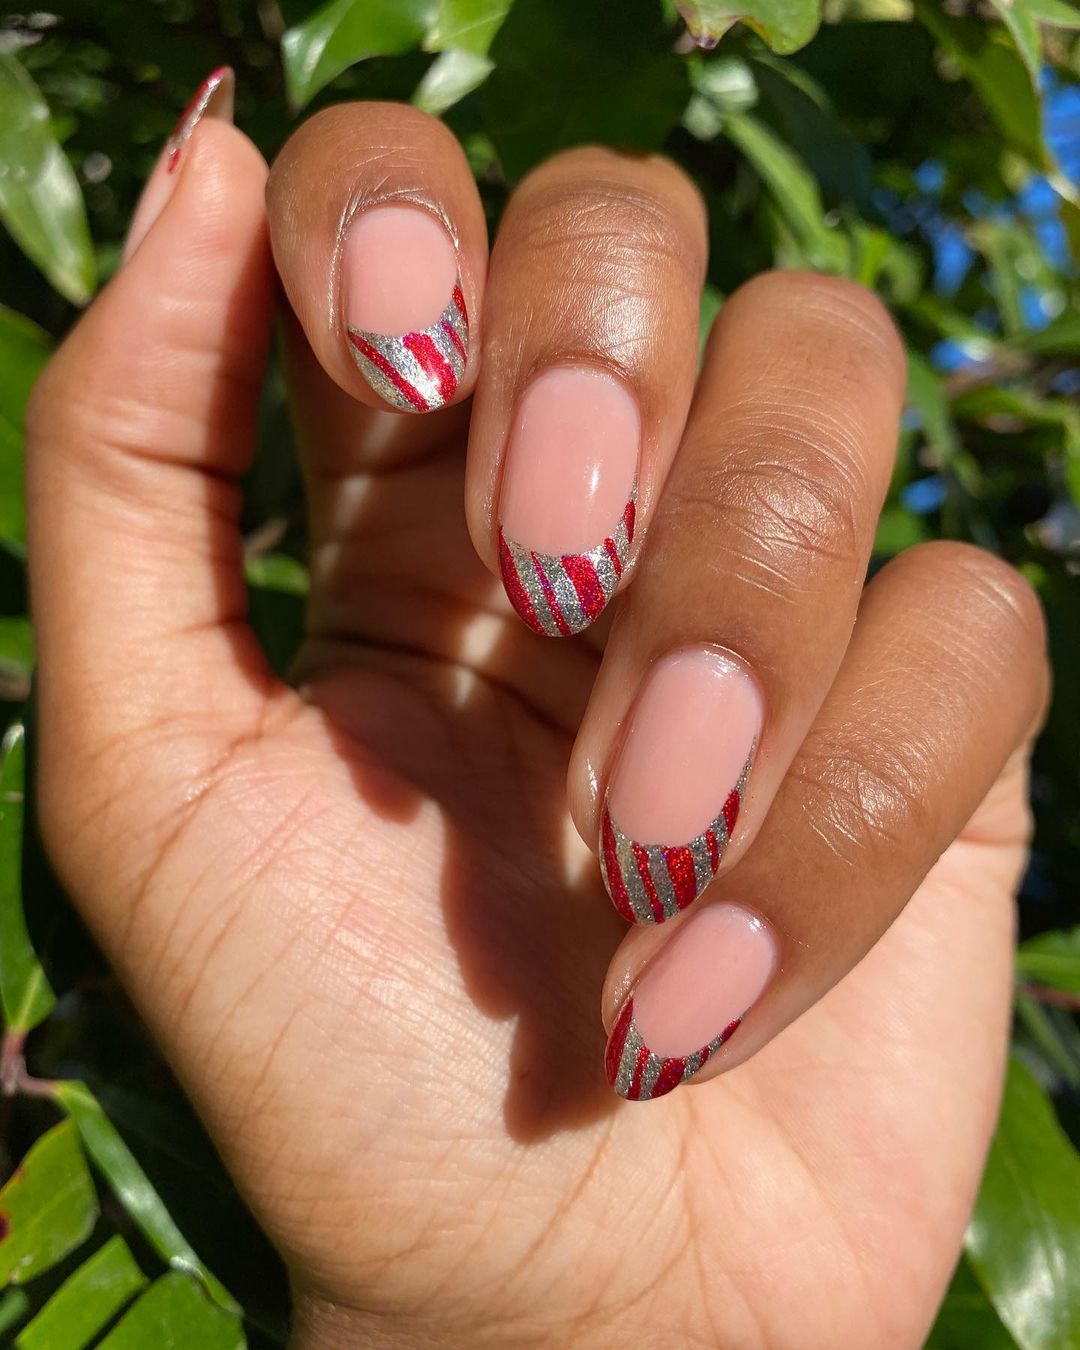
{"x": 567, "y": 504}
{"x": 405, "y": 315}
{"x": 213, "y": 98}
{"x": 689, "y": 1000}
{"x": 679, "y": 781}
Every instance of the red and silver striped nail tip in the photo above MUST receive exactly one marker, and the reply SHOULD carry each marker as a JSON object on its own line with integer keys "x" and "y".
{"x": 649, "y": 883}
{"x": 417, "y": 372}
{"x": 213, "y": 98}
{"x": 638, "y": 1074}
{"x": 561, "y": 594}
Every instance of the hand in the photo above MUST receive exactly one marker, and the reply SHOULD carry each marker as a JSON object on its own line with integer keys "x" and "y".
{"x": 352, "y": 910}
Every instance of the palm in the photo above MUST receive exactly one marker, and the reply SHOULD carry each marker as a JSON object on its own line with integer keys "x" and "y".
{"x": 402, "y": 974}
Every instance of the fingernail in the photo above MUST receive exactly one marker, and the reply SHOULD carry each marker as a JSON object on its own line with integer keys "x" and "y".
{"x": 405, "y": 315}
{"x": 213, "y": 98}
{"x": 568, "y": 498}
{"x": 689, "y": 1000}
{"x": 679, "y": 782}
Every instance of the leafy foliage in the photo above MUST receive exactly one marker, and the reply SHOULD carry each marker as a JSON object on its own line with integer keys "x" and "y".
{"x": 949, "y": 182}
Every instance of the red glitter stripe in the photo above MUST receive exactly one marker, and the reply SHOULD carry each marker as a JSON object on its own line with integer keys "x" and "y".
{"x": 617, "y": 1042}
{"x": 619, "y": 894}
{"x": 714, "y": 849}
{"x": 549, "y": 596}
{"x": 432, "y": 362}
{"x": 731, "y": 810}
{"x": 730, "y": 1030}
{"x": 459, "y": 300}
{"x": 680, "y": 866}
{"x": 641, "y": 857}
{"x": 519, "y": 596}
{"x": 669, "y": 1077}
{"x": 174, "y": 159}
{"x": 400, "y": 383}
{"x": 629, "y": 518}
{"x": 634, "y": 1091}
{"x": 613, "y": 554}
{"x": 585, "y": 581}
{"x": 451, "y": 332}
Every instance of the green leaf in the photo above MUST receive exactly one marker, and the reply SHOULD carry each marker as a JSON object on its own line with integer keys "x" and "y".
{"x": 1059, "y": 338}
{"x": 467, "y": 25}
{"x": 1055, "y": 13}
{"x": 175, "y": 1312}
{"x": 86, "y": 1301}
{"x": 786, "y": 25}
{"x": 14, "y": 1305}
{"x": 987, "y": 58}
{"x": 566, "y": 74}
{"x": 47, "y": 1208}
{"x": 1019, "y": 19}
{"x": 132, "y": 1187}
{"x": 40, "y": 200}
{"x": 451, "y": 76}
{"x": 16, "y": 646}
{"x": 1024, "y": 1236}
{"x": 967, "y": 1320}
{"x": 343, "y": 32}
{"x": 793, "y": 189}
{"x": 1052, "y": 959}
{"x": 24, "y": 349}
{"x": 25, "y": 994}
{"x": 277, "y": 572}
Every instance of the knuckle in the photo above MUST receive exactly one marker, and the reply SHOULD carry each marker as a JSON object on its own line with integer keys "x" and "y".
{"x": 867, "y": 801}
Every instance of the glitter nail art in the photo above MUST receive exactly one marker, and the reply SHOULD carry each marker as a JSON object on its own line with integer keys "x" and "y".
{"x": 649, "y": 883}
{"x": 417, "y": 372}
{"x": 638, "y": 1074}
{"x": 214, "y": 98}
{"x": 559, "y": 595}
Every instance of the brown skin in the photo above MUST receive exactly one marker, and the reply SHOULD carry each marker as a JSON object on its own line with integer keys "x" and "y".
{"x": 353, "y": 916}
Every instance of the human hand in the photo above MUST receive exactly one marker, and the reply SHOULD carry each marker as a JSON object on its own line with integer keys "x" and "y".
{"x": 352, "y": 911}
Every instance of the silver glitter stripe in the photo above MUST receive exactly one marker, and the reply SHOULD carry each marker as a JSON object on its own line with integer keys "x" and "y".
{"x": 699, "y": 849}
{"x": 523, "y": 565}
{"x": 394, "y": 351}
{"x": 649, "y": 1075}
{"x": 605, "y": 570}
{"x": 631, "y": 1046}
{"x": 662, "y": 881}
{"x": 565, "y": 595}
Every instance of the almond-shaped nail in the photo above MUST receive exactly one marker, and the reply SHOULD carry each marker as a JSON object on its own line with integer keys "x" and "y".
{"x": 689, "y": 1000}
{"x": 405, "y": 316}
{"x": 678, "y": 784}
{"x": 213, "y": 98}
{"x": 568, "y": 500}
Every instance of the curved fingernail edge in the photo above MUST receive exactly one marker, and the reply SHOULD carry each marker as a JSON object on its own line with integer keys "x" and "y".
{"x": 405, "y": 317}
{"x": 568, "y": 499}
{"x": 689, "y": 1001}
{"x": 213, "y": 98}
{"x": 679, "y": 782}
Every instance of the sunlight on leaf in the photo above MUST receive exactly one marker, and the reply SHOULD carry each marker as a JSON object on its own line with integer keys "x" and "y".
{"x": 86, "y": 1301}
{"x": 175, "y": 1311}
{"x": 786, "y": 25}
{"x": 47, "y": 1208}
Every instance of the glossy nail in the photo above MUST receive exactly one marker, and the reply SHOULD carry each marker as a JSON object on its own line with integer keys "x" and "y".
{"x": 679, "y": 782}
{"x": 213, "y": 98}
{"x": 405, "y": 315}
{"x": 568, "y": 498}
{"x": 689, "y": 1000}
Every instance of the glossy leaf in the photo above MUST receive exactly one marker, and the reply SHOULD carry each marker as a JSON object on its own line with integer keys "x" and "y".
{"x": 40, "y": 200}
{"x": 1024, "y": 1237}
{"x": 786, "y": 25}
{"x": 1052, "y": 959}
{"x": 451, "y": 76}
{"x": 565, "y": 74}
{"x": 175, "y": 1312}
{"x": 25, "y": 994}
{"x": 132, "y": 1187}
{"x": 343, "y": 32}
{"x": 1021, "y": 22}
{"x": 24, "y": 349}
{"x": 47, "y": 1208}
{"x": 966, "y": 1319}
{"x": 277, "y": 572}
{"x": 86, "y": 1301}
{"x": 466, "y": 25}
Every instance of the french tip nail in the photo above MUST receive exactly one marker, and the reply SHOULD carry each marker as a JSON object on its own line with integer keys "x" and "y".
{"x": 638, "y": 1074}
{"x": 418, "y": 371}
{"x": 560, "y": 595}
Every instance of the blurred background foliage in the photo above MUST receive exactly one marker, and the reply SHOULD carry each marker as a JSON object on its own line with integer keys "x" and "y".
{"x": 929, "y": 149}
